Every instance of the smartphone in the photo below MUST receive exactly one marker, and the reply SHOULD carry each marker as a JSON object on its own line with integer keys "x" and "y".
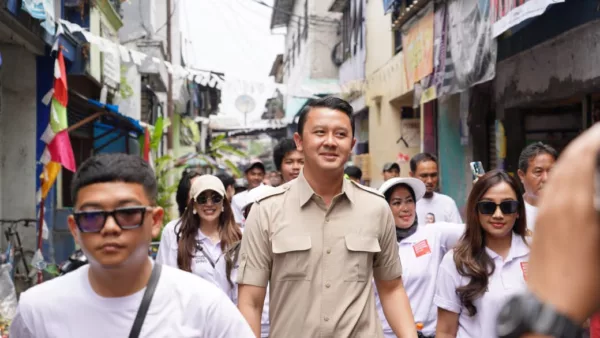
{"x": 477, "y": 169}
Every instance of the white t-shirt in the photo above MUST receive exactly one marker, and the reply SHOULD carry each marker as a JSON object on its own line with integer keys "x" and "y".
{"x": 508, "y": 279}
{"x": 421, "y": 255}
{"x": 441, "y": 206}
{"x": 201, "y": 266}
{"x": 237, "y": 202}
{"x": 531, "y": 215}
{"x": 183, "y": 306}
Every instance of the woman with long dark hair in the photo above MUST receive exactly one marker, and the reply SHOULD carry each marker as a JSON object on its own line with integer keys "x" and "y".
{"x": 421, "y": 249}
{"x": 489, "y": 263}
{"x": 206, "y": 240}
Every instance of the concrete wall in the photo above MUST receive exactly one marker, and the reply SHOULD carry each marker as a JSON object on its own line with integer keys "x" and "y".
{"x": 556, "y": 69}
{"x": 385, "y": 93}
{"x": 313, "y": 65}
{"x": 454, "y": 158}
{"x": 18, "y": 137}
{"x": 138, "y": 19}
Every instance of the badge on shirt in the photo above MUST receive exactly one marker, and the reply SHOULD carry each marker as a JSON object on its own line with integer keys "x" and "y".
{"x": 422, "y": 248}
{"x": 524, "y": 269}
{"x": 198, "y": 259}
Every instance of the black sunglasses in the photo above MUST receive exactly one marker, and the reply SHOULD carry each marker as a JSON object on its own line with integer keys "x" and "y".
{"x": 489, "y": 207}
{"x": 202, "y": 199}
{"x": 126, "y": 218}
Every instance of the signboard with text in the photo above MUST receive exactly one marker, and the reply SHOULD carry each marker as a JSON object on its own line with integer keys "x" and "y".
{"x": 417, "y": 42}
{"x": 506, "y": 14}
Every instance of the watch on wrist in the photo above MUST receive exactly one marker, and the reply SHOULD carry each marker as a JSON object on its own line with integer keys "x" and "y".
{"x": 525, "y": 314}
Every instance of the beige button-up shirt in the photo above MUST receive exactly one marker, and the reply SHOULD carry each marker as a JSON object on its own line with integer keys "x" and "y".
{"x": 320, "y": 261}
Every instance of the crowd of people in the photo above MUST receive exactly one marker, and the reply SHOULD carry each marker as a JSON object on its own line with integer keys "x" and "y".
{"x": 322, "y": 255}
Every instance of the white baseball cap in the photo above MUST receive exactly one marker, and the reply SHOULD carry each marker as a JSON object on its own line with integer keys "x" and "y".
{"x": 417, "y": 185}
{"x": 206, "y": 182}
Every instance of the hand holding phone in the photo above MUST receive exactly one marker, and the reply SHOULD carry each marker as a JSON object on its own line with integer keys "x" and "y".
{"x": 477, "y": 170}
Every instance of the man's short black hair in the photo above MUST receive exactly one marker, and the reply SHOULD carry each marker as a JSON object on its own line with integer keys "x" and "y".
{"x": 421, "y": 157}
{"x": 532, "y": 151}
{"x": 183, "y": 189}
{"x": 327, "y": 102}
{"x": 353, "y": 171}
{"x": 227, "y": 180}
{"x": 106, "y": 168}
{"x": 282, "y": 148}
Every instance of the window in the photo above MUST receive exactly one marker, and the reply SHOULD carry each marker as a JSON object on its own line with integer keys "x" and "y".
{"x": 352, "y": 29}
{"x": 347, "y": 33}
{"x": 305, "y": 19}
{"x": 293, "y": 50}
{"x": 299, "y": 38}
{"x": 398, "y": 6}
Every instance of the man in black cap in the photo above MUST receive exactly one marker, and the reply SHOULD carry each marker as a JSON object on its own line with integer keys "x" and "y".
{"x": 254, "y": 174}
{"x": 390, "y": 170}
{"x": 354, "y": 173}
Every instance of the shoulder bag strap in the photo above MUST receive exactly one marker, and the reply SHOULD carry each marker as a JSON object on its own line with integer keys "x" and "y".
{"x": 146, "y": 300}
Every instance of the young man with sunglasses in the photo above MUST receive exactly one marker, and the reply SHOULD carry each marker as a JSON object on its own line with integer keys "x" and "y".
{"x": 121, "y": 292}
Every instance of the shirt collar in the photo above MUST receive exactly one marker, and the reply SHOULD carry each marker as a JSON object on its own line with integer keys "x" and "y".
{"x": 306, "y": 192}
{"x": 518, "y": 248}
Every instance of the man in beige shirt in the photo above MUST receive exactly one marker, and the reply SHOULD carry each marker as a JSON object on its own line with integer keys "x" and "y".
{"x": 319, "y": 241}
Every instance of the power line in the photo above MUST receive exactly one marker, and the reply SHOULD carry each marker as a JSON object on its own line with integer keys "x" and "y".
{"x": 316, "y": 19}
{"x": 314, "y": 27}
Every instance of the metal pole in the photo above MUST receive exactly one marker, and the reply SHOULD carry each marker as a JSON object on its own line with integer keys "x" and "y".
{"x": 40, "y": 238}
{"x": 170, "y": 78}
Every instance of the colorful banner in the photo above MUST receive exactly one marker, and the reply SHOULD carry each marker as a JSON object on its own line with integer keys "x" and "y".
{"x": 506, "y": 14}
{"x": 59, "y": 151}
{"x": 417, "y": 42}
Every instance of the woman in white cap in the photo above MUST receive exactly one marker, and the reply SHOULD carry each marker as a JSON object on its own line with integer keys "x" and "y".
{"x": 421, "y": 250}
{"x": 206, "y": 240}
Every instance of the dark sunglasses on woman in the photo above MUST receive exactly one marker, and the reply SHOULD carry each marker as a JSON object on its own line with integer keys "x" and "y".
{"x": 126, "y": 218}
{"x": 489, "y": 207}
{"x": 216, "y": 199}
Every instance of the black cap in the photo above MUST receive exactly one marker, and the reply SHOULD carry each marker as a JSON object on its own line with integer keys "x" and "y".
{"x": 353, "y": 171}
{"x": 256, "y": 163}
{"x": 391, "y": 166}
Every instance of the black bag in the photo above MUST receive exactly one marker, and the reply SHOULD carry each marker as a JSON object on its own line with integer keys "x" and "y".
{"x": 146, "y": 300}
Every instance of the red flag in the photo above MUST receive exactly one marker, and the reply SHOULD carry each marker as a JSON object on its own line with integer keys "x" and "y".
{"x": 60, "y": 80}
{"x": 147, "y": 145}
{"x": 61, "y": 150}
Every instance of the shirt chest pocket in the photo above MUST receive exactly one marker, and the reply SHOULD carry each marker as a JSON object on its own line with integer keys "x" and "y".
{"x": 291, "y": 257}
{"x": 361, "y": 250}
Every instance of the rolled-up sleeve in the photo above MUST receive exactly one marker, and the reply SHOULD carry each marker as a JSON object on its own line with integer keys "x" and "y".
{"x": 255, "y": 252}
{"x": 386, "y": 265}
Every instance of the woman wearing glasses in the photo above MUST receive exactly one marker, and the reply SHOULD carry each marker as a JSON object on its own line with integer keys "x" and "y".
{"x": 206, "y": 240}
{"x": 488, "y": 264}
{"x": 421, "y": 250}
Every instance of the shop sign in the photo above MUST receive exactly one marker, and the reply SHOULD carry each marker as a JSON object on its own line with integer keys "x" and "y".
{"x": 506, "y": 14}
{"x": 417, "y": 41}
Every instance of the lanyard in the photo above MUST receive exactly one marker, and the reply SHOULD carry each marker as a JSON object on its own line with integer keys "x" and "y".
{"x": 204, "y": 252}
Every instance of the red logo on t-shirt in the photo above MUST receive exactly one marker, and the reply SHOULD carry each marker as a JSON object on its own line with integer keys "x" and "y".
{"x": 421, "y": 248}
{"x": 524, "y": 269}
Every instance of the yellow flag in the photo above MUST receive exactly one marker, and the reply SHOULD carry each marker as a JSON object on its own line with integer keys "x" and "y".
{"x": 49, "y": 176}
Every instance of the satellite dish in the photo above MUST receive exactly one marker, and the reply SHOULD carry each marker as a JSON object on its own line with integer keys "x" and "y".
{"x": 245, "y": 104}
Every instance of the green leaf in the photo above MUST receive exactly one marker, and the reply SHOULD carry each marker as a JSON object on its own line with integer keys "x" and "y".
{"x": 157, "y": 134}
{"x": 218, "y": 138}
{"x": 231, "y": 150}
{"x": 234, "y": 169}
{"x": 52, "y": 269}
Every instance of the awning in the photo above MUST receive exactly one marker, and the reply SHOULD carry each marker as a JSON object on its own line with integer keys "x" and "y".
{"x": 108, "y": 124}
